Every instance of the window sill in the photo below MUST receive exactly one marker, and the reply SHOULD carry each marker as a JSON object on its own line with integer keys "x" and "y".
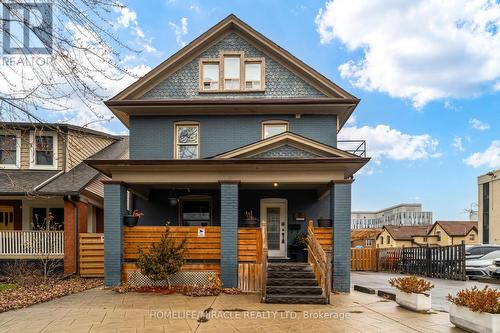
{"x": 231, "y": 91}
{"x": 43, "y": 167}
{"x": 10, "y": 166}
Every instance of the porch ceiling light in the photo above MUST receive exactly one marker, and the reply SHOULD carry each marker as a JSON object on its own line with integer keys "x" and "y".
{"x": 172, "y": 198}
{"x": 275, "y": 184}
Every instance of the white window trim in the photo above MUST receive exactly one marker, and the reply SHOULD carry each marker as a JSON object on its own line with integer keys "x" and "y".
{"x": 176, "y": 138}
{"x": 33, "y": 164}
{"x": 241, "y": 78}
{"x": 18, "y": 150}
{"x": 271, "y": 123}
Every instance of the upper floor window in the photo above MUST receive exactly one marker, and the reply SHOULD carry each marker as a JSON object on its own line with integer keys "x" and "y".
{"x": 273, "y": 127}
{"x": 10, "y": 150}
{"x": 187, "y": 141}
{"x": 388, "y": 239}
{"x": 43, "y": 151}
{"x": 472, "y": 236}
{"x": 210, "y": 73}
{"x": 253, "y": 75}
{"x": 231, "y": 71}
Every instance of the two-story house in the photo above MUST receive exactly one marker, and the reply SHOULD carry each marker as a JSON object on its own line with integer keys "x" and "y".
{"x": 229, "y": 125}
{"x": 47, "y": 194}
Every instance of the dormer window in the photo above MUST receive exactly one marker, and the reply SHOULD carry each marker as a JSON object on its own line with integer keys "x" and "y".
{"x": 232, "y": 72}
{"x": 43, "y": 150}
{"x": 10, "y": 150}
{"x": 210, "y": 73}
{"x": 187, "y": 141}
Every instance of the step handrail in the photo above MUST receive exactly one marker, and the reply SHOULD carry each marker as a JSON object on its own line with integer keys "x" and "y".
{"x": 320, "y": 260}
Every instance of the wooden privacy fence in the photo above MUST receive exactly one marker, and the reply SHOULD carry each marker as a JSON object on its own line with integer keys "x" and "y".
{"x": 91, "y": 255}
{"x": 249, "y": 259}
{"x": 388, "y": 259}
{"x": 364, "y": 259}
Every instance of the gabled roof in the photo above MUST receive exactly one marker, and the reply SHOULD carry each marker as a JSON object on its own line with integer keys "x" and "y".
{"x": 299, "y": 142}
{"x": 457, "y": 228}
{"x": 407, "y": 232}
{"x": 368, "y": 233}
{"x": 336, "y": 100}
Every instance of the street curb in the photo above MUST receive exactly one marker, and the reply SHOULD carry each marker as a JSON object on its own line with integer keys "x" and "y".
{"x": 386, "y": 295}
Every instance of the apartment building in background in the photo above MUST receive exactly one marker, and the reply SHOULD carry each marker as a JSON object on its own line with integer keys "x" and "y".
{"x": 489, "y": 207}
{"x": 402, "y": 214}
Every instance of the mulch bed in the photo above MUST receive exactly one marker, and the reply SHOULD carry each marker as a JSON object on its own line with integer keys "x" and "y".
{"x": 24, "y": 296}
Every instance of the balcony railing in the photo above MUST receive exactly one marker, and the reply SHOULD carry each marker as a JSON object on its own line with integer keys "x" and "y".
{"x": 31, "y": 244}
{"x": 356, "y": 147}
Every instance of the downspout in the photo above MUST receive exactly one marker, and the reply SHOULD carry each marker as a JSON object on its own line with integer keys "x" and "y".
{"x": 72, "y": 199}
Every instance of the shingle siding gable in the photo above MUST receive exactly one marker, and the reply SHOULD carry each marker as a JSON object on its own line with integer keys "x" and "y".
{"x": 279, "y": 81}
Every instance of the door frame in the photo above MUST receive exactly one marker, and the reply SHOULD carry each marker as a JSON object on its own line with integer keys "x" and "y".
{"x": 282, "y": 204}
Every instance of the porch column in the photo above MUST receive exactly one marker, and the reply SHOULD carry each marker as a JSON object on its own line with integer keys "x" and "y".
{"x": 340, "y": 213}
{"x": 115, "y": 207}
{"x": 229, "y": 234}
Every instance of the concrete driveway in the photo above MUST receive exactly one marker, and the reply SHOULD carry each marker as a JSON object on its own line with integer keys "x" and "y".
{"x": 100, "y": 310}
{"x": 442, "y": 287}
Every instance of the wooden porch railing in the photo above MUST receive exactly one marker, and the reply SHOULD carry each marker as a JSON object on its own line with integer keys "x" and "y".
{"x": 321, "y": 261}
{"x": 31, "y": 244}
{"x": 263, "y": 230}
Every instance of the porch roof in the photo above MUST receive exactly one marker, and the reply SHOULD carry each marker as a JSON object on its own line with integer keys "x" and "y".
{"x": 317, "y": 170}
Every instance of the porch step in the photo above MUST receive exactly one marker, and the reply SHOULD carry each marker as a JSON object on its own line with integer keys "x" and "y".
{"x": 291, "y": 282}
{"x": 294, "y": 290}
{"x": 295, "y": 299}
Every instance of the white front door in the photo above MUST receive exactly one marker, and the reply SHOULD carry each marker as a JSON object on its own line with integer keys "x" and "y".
{"x": 273, "y": 214}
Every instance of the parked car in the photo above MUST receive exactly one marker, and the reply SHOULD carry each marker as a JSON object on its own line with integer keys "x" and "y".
{"x": 494, "y": 269}
{"x": 477, "y": 251}
{"x": 480, "y": 267}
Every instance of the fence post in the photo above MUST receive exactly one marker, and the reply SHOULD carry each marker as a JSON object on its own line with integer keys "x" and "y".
{"x": 427, "y": 260}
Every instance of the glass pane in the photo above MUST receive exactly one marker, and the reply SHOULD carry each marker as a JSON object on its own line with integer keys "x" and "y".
{"x": 44, "y": 143}
{"x": 187, "y": 152}
{"x": 39, "y": 218}
{"x": 273, "y": 228}
{"x": 56, "y": 215}
{"x": 7, "y": 142}
{"x": 232, "y": 67}
{"x": 233, "y": 84}
{"x": 210, "y": 72}
{"x": 7, "y": 157}
{"x": 44, "y": 158}
{"x": 252, "y": 72}
{"x": 271, "y": 130}
{"x": 187, "y": 134}
{"x": 196, "y": 212}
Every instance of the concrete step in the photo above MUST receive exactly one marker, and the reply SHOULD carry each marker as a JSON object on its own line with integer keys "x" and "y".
{"x": 291, "y": 282}
{"x": 295, "y": 299}
{"x": 294, "y": 290}
{"x": 290, "y": 275}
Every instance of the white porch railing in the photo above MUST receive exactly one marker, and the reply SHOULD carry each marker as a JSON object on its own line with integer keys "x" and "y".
{"x": 31, "y": 244}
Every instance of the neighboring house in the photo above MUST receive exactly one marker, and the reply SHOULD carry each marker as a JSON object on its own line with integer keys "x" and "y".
{"x": 46, "y": 190}
{"x": 402, "y": 214}
{"x": 230, "y": 124}
{"x": 364, "y": 237}
{"x": 441, "y": 233}
{"x": 489, "y": 207}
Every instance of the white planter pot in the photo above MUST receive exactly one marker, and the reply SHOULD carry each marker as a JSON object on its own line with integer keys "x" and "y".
{"x": 412, "y": 301}
{"x": 479, "y": 322}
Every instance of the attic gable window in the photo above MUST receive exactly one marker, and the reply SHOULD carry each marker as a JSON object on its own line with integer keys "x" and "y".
{"x": 231, "y": 72}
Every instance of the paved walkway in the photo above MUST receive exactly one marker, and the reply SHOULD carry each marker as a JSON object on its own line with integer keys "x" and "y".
{"x": 442, "y": 287}
{"x": 100, "y": 310}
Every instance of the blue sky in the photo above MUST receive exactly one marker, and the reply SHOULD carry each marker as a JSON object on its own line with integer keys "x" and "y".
{"x": 427, "y": 74}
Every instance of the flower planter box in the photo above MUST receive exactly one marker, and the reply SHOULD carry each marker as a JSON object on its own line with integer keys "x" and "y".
{"x": 412, "y": 301}
{"x": 480, "y": 322}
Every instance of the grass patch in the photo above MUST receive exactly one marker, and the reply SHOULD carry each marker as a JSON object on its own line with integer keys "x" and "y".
{"x": 7, "y": 286}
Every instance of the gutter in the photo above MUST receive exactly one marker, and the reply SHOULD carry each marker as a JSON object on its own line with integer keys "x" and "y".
{"x": 45, "y": 182}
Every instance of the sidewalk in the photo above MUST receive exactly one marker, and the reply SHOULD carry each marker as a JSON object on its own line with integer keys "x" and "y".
{"x": 100, "y": 310}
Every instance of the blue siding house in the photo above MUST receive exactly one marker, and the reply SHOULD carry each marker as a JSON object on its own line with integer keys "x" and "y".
{"x": 233, "y": 125}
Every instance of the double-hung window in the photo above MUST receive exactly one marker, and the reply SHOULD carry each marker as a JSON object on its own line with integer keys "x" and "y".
{"x": 43, "y": 151}
{"x": 232, "y": 72}
{"x": 253, "y": 75}
{"x": 210, "y": 73}
{"x": 187, "y": 141}
{"x": 10, "y": 150}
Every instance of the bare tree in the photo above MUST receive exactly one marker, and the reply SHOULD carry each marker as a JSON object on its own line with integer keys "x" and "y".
{"x": 472, "y": 211}
{"x": 75, "y": 42}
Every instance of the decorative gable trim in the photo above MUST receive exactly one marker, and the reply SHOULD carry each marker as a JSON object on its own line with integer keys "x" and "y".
{"x": 298, "y": 142}
{"x": 217, "y": 32}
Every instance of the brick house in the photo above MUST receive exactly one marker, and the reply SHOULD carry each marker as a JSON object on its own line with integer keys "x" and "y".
{"x": 232, "y": 127}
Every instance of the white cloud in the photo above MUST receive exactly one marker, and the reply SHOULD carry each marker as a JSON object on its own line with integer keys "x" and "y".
{"x": 384, "y": 141}
{"x": 479, "y": 125}
{"x": 180, "y": 31}
{"x": 490, "y": 157}
{"x": 419, "y": 50}
{"x": 128, "y": 18}
{"x": 457, "y": 144}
